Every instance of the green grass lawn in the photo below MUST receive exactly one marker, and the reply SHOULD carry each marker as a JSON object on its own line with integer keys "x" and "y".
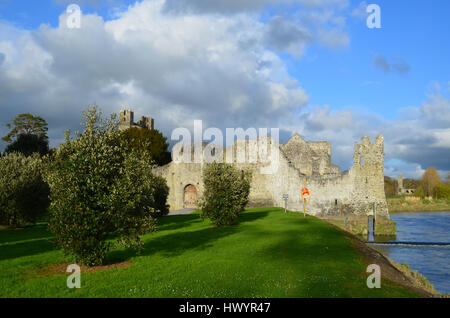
{"x": 268, "y": 254}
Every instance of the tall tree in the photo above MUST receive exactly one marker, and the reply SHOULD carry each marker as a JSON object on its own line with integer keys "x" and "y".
{"x": 100, "y": 192}
{"x": 390, "y": 186}
{"x": 28, "y": 144}
{"x": 151, "y": 140}
{"x": 26, "y": 124}
{"x": 430, "y": 180}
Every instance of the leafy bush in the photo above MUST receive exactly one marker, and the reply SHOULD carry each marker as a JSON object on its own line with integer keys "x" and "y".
{"x": 390, "y": 186}
{"x": 419, "y": 192}
{"x": 225, "y": 194}
{"x": 442, "y": 191}
{"x": 23, "y": 193}
{"x": 430, "y": 180}
{"x": 151, "y": 140}
{"x": 28, "y": 144}
{"x": 161, "y": 207}
{"x": 101, "y": 191}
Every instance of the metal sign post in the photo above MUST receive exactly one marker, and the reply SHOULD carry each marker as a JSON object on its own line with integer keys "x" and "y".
{"x": 285, "y": 198}
{"x": 374, "y": 216}
{"x": 375, "y": 210}
{"x": 305, "y": 194}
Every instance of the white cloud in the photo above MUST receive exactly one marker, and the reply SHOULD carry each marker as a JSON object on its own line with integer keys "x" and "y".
{"x": 238, "y": 6}
{"x": 360, "y": 12}
{"x": 221, "y": 68}
{"x": 334, "y": 38}
{"x": 287, "y": 36}
{"x": 171, "y": 67}
{"x": 418, "y": 139}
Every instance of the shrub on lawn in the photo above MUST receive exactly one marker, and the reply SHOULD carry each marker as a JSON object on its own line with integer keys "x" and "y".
{"x": 225, "y": 194}
{"x": 161, "y": 207}
{"x": 23, "y": 192}
{"x": 100, "y": 191}
{"x": 442, "y": 191}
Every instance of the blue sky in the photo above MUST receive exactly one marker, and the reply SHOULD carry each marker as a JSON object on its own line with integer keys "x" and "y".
{"x": 357, "y": 80}
{"x": 415, "y": 30}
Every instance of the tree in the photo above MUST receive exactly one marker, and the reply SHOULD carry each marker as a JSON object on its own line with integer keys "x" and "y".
{"x": 23, "y": 192}
{"x": 419, "y": 192}
{"x": 101, "y": 191}
{"x": 430, "y": 180}
{"x": 225, "y": 194}
{"x": 26, "y": 124}
{"x": 442, "y": 191}
{"x": 28, "y": 144}
{"x": 151, "y": 140}
{"x": 390, "y": 186}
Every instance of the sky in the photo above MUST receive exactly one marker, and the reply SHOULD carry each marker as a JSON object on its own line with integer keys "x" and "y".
{"x": 307, "y": 66}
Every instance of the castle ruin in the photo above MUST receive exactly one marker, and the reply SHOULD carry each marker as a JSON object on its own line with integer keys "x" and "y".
{"x": 353, "y": 193}
{"x": 401, "y": 190}
{"x": 126, "y": 120}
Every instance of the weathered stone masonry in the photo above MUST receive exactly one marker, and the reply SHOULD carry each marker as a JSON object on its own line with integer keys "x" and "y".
{"x": 352, "y": 193}
{"x": 126, "y": 120}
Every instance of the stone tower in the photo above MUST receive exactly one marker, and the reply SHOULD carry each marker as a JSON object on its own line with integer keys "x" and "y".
{"x": 146, "y": 122}
{"x": 400, "y": 184}
{"x": 126, "y": 119}
{"x": 369, "y": 173}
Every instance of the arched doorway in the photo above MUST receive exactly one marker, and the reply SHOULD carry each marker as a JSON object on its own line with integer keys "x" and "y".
{"x": 190, "y": 197}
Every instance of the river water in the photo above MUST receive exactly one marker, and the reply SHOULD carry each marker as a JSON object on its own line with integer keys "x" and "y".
{"x": 432, "y": 261}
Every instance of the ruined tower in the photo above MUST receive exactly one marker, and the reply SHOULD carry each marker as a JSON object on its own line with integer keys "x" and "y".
{"x": 146, "y": 122}
{"x": 368, "y": 178}
{"x": 400, "y": 184}
{"x": 126, "y": 120}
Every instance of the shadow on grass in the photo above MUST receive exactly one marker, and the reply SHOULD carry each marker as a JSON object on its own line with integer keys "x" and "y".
{"x": 38, "y": 231}
{"x": 252, "y": 216}
{"x": 29, "y": 248}
{"x": 174, "y": 222}
{"x": 177, "y": 243}
{"x": 38, "y": 238}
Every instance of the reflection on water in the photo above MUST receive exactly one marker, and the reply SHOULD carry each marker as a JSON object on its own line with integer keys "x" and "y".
{"x": 431, "y": 261}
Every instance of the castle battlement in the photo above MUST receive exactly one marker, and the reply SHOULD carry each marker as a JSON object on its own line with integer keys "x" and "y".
{"x": 301, "y": 163}
{"x": 126, "y": 120}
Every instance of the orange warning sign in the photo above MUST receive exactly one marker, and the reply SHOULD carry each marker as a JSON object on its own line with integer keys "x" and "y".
{"x": 305, "y": 192}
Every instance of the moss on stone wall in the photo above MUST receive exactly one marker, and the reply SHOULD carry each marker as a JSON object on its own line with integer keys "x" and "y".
{"x": 359, "y": 225}
{"x": 385, "y": 226}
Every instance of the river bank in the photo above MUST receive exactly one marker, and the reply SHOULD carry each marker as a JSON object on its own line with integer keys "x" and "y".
{"x": 398, "y": 273}
{"x": 425, "y": 238}
{"x": 415, "y": 204}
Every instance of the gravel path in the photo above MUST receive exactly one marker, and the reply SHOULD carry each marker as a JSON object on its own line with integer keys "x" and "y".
{"x": 180, "y": 212}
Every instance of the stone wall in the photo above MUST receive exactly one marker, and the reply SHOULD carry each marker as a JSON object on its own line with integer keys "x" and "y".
{"x": 300, "y": 163}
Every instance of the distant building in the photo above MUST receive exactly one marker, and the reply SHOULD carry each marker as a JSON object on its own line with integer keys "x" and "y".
{"x": 126, "y": 120}
{"x": 400, "y": 189}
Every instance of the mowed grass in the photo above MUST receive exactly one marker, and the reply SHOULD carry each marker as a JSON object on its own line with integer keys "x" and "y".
{"x": 268, "y": 254}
